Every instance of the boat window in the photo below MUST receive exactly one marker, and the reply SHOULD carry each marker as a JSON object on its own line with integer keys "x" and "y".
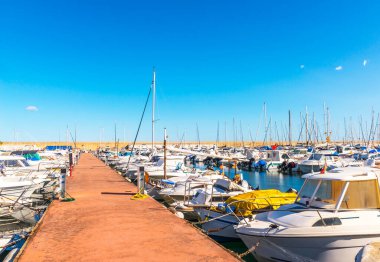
{"x": 218, "y": 186}
{"x": 324, "y": 190}
{"x": 285, "y": 156}
{"x": 330, "y": 221}
{"x": 315, "y": 157}
{"x": 361, "y": 194}
{"x": 308, "y": 189}
{"x": 11, "y": 163}
{"x": 325, "y": 194}
{"x": 24, "y": 162}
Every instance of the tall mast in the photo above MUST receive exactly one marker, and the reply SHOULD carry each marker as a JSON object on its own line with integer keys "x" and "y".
{"x": 315, "y": 129}
{"x": 324, "y": 118}
{"x": 290, "y": 128}
{"x": 67, "y": 135}
{"x": 241, "y": 134}
{"x": 115, "y": 134}
{"x": 165, "y": 138}
{"x": 265, "y": 118}
{"x": 225, "y": 132}
{"x": 217, "y": 135}
{"x": 233, "y": 132}
{"x": 328, "y": 139}
{"x": 199, "y": 140}
{"x": 345, "y": 131}
{"x": 307, "y": 128}
{"x": 153, "y": 103}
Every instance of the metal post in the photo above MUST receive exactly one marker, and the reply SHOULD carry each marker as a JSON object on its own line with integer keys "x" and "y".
{"x": 62, "y": 183}
{"x": 71, "y": 162}
{"x": 165, "y": 137}
{"x": 140, "y": 180}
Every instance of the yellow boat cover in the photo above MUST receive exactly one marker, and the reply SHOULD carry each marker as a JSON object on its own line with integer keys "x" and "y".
{"x": 255, "y": 200}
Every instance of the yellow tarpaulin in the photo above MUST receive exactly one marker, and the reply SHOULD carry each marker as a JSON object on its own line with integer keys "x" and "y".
{"x": 247, "y": 203}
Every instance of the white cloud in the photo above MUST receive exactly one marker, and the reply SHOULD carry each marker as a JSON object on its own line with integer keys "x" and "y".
{"x": 31, "y": 108}
{"x": 365, "y": 62}
{"x": 302, "y": 66}
{"x": 338, "y": 68}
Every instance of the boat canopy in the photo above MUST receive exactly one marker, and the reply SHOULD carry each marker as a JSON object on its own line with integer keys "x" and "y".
{"x": 52, "y": 148}
{"x": 349, "y": 188}
{"x": 245, "y": 204}
{"x": 346, "y": 174}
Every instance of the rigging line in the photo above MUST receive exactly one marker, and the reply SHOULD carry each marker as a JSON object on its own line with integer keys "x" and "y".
{"x": 138, "y": 129}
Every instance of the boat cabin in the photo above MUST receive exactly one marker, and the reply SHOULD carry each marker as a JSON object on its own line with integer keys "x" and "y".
{"x": 342, "y": 188}
{"x": 13, "y": 161}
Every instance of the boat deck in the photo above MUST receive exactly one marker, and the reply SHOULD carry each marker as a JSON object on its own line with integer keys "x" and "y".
{"x": 104, "y": 224}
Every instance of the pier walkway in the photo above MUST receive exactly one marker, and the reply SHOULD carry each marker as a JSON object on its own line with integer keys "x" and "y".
{"x": 103, "y": 224}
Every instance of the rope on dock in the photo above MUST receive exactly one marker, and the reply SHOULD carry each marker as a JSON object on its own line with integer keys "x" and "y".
{"x": 139, "y": 196}
{"x": 68, "y": 199}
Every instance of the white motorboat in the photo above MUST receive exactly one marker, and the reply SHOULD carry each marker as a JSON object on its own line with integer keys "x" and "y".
{"x": 218, "y": 222}
{"x": 335, "y": 215}
{"x": 317, "y": 161}
{"x": 16, "y": 189}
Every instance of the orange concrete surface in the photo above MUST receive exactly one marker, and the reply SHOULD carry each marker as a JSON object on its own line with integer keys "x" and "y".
{"x": 111, "y": 227}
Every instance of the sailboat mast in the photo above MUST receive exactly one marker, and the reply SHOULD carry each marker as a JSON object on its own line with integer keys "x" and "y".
{"x": 265, "y": 119}
{"x": 290, "y": 128}
{"x": 328, "y": 126}
{"x": 225, "y": 132}
{"x": 153, "y": 104}
{"x": 199, "y": 141}
{"x": 217, "y": 135}
{"x": 307, "y": 128}
{"x": 115, "y": 135}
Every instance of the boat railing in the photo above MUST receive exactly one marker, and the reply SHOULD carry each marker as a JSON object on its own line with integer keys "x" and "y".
{"x": 11, "y": 197}
{"x": 189, "y": 185}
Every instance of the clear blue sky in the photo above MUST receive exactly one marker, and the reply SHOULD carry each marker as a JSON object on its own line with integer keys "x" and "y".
{"x": 89, "y": 64}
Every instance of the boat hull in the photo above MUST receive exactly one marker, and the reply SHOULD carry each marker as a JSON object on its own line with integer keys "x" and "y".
{"x": 322, "y": 249}
{"x": 221, "y": 228}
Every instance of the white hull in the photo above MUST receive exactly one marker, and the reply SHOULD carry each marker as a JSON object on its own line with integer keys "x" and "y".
{"x": 305, "y": 169}
{"x": 220, "y": 228}
{"x": 321, "y": 249}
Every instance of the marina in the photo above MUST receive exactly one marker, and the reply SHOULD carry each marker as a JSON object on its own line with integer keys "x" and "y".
{"x": 54, "y": 197}
{"x": 189, "y": 131}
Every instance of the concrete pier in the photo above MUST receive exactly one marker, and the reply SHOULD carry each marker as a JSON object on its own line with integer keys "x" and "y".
{"x": 103, "y": 224}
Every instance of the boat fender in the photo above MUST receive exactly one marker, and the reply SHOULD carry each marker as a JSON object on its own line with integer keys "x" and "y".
{"x": 180, "y": 215}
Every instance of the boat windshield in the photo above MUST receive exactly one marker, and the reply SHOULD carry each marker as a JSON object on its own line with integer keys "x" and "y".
{"x": 308, "y": 190}
{"x": 359, "y": 194}
{"x": 315, "y": 157}
{"x": 24, "y": 162}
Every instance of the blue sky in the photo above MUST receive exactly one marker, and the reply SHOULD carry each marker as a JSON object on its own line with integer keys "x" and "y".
{"x": 89, "y": 64}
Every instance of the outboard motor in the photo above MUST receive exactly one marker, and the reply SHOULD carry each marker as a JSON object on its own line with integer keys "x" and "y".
{"x": 261, "y": 165}
{"x": 251, "y": 161}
